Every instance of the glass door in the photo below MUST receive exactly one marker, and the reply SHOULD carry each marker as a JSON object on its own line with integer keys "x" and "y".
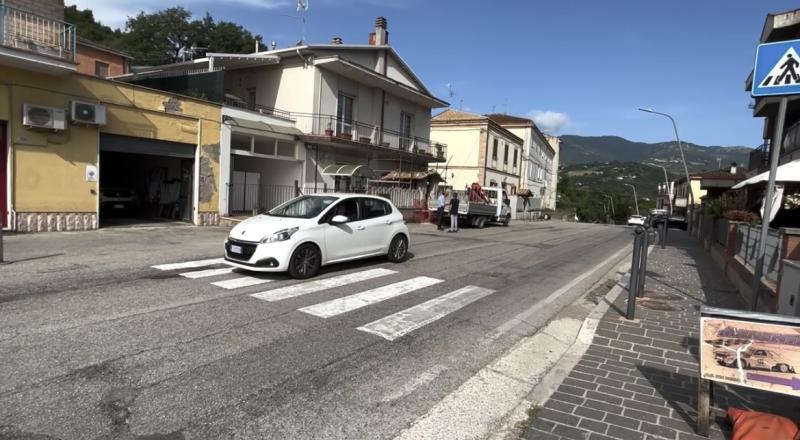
{"x": 344, "y": 115}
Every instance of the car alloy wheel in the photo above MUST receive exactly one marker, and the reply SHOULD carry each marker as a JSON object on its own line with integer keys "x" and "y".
{"x": 398, "y": 249}
{"x": 305, "y": 262}
{"x": 783, "y": 368}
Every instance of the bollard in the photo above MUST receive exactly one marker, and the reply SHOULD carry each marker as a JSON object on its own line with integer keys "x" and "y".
{"x": 643, "y": 262}
{"x": 633, "y": 283}
{"x": 662, "y": 228}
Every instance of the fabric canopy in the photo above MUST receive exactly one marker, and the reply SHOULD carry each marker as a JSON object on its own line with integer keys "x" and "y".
{"x": 788, "y": 172}
{"x": 348, "y": 170}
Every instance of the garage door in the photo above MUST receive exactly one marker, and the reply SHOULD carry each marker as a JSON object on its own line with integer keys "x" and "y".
{"x": 125, "y": 144}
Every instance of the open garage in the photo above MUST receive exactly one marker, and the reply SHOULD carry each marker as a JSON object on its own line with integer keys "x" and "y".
{"x": 145, "y": 181}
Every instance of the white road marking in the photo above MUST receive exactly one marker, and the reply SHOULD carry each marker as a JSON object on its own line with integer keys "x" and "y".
{"x": 408, "y": 320}
{"x": 349, "y": 303}
{"x": 190, "y": 264}
{"x": 207, "y": 273}
{"x": 319, "y": 285}
{"x": 538, "y": 306}
{"x": 236, "y": 283}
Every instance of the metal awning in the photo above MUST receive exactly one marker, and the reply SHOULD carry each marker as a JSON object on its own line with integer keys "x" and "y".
{"x": 348, "y": 171}
{"x": 260, "y": 128}
{"x": 788, "y": 172}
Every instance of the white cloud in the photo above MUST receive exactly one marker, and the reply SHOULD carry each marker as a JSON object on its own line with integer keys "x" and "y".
{"x": 549, "y": 121}
{"x": 115, "y": 13}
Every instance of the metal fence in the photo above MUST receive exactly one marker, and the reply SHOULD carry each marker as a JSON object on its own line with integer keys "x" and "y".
{"x": 250, "y": 198}
{"x": 36, "y": 33}
{"x": 721, "y": 231}
{"x": 747, "y": 238}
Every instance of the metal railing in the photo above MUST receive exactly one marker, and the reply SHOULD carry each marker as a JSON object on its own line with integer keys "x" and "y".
{"x": 36, "y": 33}
{"x": 253, "y": 107}
{"x": 759, "y": 158}
{"x": 318, "y": 124}
{"x": 746, "y": 247}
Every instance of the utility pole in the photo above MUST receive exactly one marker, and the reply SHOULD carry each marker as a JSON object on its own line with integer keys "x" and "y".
{"x": 666, "y": 182}
{"x": 635, "y": 199}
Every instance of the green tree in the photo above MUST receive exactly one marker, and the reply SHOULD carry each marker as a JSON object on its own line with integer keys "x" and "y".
{"x": 159, "y": 38}
{"x": 222, "y": 36}
{"x": 90, "y": 29}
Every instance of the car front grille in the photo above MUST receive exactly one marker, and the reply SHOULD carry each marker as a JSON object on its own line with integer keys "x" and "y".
{"x": 248, "y": 249}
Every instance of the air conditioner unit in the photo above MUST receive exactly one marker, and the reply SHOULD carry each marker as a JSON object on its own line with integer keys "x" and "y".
{"x": 38, "y": 116}
{"x": 88, "y": 113}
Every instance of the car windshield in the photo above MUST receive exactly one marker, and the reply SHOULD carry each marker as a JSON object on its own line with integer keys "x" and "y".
{"x": 303, "y": 207}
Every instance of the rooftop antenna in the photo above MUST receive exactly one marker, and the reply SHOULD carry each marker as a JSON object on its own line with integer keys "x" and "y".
{"x": 450, "y": 91}
{"x": 273, "y": 45}
{"x": 719, "y": 162}
{"x": 302, "y": 11}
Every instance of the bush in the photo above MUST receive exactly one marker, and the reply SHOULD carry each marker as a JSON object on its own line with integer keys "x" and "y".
{"x": 742, "y": 216}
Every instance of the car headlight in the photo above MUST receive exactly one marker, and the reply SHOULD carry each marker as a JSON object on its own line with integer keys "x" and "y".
{"x": 282, "y": 235}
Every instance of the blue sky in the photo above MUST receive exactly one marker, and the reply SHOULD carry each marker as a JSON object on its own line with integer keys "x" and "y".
{"x": 578, "y": 67}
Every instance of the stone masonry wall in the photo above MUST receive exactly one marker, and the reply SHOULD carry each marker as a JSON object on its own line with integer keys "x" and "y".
{"x": 55, "y": 221}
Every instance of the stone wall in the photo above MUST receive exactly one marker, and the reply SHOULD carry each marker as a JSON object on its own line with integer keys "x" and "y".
{"x": 55, "y": 221}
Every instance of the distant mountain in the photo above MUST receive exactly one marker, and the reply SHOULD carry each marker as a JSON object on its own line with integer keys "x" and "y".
{"x": 593, "y": 149}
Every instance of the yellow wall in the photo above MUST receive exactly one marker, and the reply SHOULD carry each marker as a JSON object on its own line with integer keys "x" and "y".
{"x": 49, "y": 167}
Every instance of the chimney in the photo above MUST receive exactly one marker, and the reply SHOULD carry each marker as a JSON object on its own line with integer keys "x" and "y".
{"x": 336, "y": 40}
{"x": 733, "y": 168}
{"x": 381, "y": 36}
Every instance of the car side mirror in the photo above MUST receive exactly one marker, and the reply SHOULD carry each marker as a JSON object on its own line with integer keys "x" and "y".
{"x": 339, "y": 219}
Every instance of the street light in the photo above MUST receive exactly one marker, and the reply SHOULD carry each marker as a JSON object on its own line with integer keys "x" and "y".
{"x": 685, "y": 168}
{"x": 666, "y": 182}
{"x": 635, "y": 199}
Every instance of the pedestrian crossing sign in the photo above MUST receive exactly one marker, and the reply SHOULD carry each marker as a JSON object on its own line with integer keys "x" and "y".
{"x": 777, "y": 69}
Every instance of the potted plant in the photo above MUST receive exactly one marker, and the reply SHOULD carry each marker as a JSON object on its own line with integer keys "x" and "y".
{"x": 329, "y": 130}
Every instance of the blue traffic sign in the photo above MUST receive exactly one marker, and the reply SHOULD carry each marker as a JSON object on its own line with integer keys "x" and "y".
{"x": 777, "y": 70}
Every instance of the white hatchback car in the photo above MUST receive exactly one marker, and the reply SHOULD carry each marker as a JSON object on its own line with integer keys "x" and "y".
{"x": 636, "y": 220}
{"x": 309, "y": 232}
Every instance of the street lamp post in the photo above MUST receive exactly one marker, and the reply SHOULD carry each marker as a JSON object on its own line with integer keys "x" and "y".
{"x": 666, "y": 183}
{"x": 689, "y": 206}
{"x": 635, "y": 199}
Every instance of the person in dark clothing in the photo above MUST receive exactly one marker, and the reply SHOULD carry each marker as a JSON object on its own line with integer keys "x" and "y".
{"x": 454, "y": 212}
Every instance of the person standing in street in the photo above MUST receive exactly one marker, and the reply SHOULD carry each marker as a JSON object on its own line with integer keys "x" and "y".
{"x": 453, "y": 212}
{"x": 440, "y": 202}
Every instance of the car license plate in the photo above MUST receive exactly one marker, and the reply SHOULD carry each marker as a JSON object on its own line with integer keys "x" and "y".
{"x": 119, "y": 206}
{"x": 236, "y": 249}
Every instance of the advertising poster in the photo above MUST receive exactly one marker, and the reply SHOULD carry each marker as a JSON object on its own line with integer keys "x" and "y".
{"x": 751, "y": 354}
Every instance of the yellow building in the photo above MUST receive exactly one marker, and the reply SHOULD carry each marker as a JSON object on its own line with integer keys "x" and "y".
{"x": 75, "y": 142}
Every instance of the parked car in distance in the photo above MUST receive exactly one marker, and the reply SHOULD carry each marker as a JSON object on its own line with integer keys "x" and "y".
{"x": 636, "y": 220}
{"x": 755, "y": 358}
{"x": 311, "y": 231}
{"x": 117, "y": 199}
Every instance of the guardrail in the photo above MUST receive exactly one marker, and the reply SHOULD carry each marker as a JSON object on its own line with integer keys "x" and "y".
{"x": 36, "y": 33}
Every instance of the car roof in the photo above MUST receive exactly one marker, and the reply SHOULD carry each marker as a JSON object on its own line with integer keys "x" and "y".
{"x": 348, "y": 195}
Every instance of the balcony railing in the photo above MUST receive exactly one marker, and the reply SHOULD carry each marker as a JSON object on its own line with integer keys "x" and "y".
{"x": 35, "y": 33}
{"x": 759, "y": 158}
{"x": 269, "y": 111}
{"x": 315, "y": 124}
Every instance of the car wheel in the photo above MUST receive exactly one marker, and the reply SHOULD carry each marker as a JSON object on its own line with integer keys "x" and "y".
{"x": 481, "y": 222}
{"x": 398, "y": 249}
{"x": 783, "y": 368}
{"x": 305, "y": 262}
{"x": 507, "y": 220}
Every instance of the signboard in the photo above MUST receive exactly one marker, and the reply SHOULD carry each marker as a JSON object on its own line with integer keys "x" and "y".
{"x": 777, "y": 69}
{"x": 750, "y": 349}
{"x": 91, "y": 173}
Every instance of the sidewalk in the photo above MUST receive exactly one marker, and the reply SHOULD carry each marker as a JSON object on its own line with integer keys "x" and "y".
{"x": 638, "y": 380}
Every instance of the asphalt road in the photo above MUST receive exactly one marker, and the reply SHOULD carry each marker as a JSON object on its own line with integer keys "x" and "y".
{"x": 97, "y": 343}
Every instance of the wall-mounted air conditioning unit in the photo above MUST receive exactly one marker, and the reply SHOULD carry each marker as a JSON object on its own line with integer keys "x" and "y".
{"x": 39, "y": 116}
{"x": 88, "y": 113}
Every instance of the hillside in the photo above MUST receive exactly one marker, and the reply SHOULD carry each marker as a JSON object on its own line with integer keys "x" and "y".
{"x": 600, "y": 149}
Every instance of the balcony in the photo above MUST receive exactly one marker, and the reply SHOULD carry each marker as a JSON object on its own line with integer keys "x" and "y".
{"x": 759, "y": 158}
{"x": 257, "y": 108}
{"x": 35, "y": 42}
{"x": 355, "y": 133}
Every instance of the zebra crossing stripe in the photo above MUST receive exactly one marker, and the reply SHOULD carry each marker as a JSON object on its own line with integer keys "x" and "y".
{"x": 408, "y": 320}
{"x": 207, "y": 273}
{"x": 320, "y": 285}
{"x": 335, "y": 307}
{"x": 236, "y": 283}
{"x": 189, "y": 264}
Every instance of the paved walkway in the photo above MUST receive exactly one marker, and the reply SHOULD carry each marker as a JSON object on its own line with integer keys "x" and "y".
{"x": 638, "y": 380}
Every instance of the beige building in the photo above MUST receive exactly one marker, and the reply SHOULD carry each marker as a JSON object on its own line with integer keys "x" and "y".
{"x": 552, "y": 189}
{"x": 479, "y": 150}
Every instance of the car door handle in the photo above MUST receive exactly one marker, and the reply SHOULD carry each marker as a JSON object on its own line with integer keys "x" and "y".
{"x": 388, "y": 222}
{"x": 360, "y": 228}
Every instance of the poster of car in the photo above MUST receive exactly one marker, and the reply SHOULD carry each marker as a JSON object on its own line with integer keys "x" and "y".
{"x": 751, "y": 354}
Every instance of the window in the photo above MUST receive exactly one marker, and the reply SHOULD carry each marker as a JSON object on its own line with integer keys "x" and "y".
{"x": 347, "y": 208}
{"x": 285, "y": 149}
{"x": 372, "y": 208}
{"x": 263, "y": 145}
{"x": 241, "y": 142}
{"x": 494, "y": 150}
{"x": 505, "y": 155}
{"x": 251, "y": 98}
{"x": 303, "y": 207}
{"x": 100, "y": 69}
{"x": 405, "y": 130}
{"x": 344, "y": 114}
{"x": 515, "y": 157}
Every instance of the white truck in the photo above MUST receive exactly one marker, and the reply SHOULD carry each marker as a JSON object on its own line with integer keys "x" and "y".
{"x": 478, "y": 207}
